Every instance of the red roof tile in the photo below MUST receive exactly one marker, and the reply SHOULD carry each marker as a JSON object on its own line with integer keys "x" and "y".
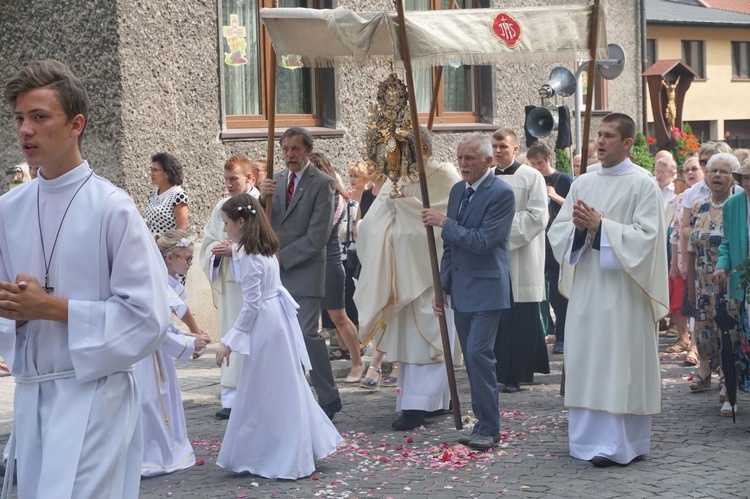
{"x": 741, "y": 6}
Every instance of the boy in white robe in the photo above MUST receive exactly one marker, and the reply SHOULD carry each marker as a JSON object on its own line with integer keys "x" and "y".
{"x": 611, "y": 228}
{"x": 72, "y": 340}
{"x": 216, "y": 262}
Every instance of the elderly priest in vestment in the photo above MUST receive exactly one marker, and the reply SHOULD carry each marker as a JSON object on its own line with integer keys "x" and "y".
{"x": 395, "y": 290}
{"x": 611, "y": 230}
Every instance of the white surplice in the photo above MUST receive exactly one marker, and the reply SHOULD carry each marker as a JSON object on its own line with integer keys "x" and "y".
{"x": 77, "y": 424}
{"x": 166, "y": 447}
{"x": 527, "y": 251}
{"x": 616, "y": 297}
{"x": 276, "y": 428}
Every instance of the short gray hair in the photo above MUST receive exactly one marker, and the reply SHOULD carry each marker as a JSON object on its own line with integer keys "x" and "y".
{"x": 484, "y": 146}
{"x": 724, "y": 157}
{"x": 426, "y": 137}
{"x": 714, "y": 148}
{"x": 668, "y": 162}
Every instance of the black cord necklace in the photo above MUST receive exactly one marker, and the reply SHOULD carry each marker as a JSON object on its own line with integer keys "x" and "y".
{"x": 47, "y": 263}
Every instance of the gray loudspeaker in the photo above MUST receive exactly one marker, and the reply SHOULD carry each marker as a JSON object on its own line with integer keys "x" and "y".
{"x": 561, "y": 82}
{"x": 616, "y": 63}
{"x": 542, "y": 121}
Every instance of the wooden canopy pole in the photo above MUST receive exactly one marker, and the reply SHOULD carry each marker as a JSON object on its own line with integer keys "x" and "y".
{"x": 271, "y": 107}
{"x": 447, "y": 352}
{"x": 435, "y": 92}
{"x": 591, "y": 72}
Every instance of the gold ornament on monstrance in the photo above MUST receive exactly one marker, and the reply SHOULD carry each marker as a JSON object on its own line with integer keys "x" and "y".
{"x": 388, "y": 140}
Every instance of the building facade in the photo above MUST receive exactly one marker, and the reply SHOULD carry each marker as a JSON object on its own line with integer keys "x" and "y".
{"x": 716, "y": 45}
{"x": 169, "y": 76}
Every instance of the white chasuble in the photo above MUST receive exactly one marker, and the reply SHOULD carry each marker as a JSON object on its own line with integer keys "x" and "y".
{"x": 395, "y": 290}
{"x": 77, "y": 429}
{"x": 226, "y": 292}
{"x": 611, "y": 344}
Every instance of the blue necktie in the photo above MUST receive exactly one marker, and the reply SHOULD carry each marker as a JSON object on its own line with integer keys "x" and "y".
{"x": 465, "y": 201}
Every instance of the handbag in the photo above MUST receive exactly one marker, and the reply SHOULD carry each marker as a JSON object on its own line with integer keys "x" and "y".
{"x": 351, "y": 263}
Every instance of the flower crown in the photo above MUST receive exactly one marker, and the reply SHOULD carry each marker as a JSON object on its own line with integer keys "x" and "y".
{"x": 185, "y": 242}
{"x": 248, "y": 208}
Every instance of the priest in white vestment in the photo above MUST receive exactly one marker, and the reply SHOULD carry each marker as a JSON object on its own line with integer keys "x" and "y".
{"x": 82, "y": 298}
{"x": 520, "y": 348}
{"x": 216, "y": 261}
{"x": 395, "y": 290}
{"x": 610, "y": 240}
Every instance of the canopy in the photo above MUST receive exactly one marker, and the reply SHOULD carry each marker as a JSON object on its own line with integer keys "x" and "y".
{"x": 340, "y": 37}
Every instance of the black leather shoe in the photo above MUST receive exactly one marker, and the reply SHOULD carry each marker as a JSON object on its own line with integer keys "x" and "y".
{"x": 511, "y": 388}
{"x": 481, "y": 442}
{"x": 409, "y": 420}
{"x": 224, "y": 413}
{"x": 332, "y": 408}
{"x": 603, "y": 462}
{"x": 439, "y": 412}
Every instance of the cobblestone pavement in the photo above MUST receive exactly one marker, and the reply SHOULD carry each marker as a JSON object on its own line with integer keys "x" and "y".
{"x": 694, "y": 452}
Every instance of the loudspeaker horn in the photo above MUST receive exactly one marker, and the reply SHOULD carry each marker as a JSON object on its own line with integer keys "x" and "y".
{"x": 561, "y": 82}
{"x": 542, "y": 121}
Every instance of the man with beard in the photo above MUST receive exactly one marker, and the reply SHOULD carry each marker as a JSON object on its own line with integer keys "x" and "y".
{"x": 302, "y": 216}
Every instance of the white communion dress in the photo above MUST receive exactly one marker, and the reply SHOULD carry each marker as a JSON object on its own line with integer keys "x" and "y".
{"x": 276, "y": 429}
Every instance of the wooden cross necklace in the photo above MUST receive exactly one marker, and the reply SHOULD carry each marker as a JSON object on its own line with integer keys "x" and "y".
{"x": 47, "y": 288}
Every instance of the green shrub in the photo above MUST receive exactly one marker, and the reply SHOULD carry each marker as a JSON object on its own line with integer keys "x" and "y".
{"x": 641, "y": 156}
{"x": 562, "y": 161}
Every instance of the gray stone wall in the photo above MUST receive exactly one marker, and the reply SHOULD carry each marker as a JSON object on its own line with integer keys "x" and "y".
{"x": 152, "y": 71}
{"x": 84, "y": 35}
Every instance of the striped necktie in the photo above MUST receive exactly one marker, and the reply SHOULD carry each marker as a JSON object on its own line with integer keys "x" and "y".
{"x": 290, "y": 188}
{"x": 465, "y": 200}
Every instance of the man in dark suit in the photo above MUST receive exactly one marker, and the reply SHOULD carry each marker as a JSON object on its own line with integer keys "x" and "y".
{"x": 475, "y": 272}
{"x": 302, "y": 216}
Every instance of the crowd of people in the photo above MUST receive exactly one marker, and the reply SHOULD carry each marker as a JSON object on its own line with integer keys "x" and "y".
{"x": 88, "y": 310}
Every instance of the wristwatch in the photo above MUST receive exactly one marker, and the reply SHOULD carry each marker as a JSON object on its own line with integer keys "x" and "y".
{"x": 442, "y": 224}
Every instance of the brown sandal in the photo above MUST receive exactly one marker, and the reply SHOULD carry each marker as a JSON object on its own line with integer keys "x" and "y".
{"x": 678, "y": 347}
{"x": 692, "y": 358}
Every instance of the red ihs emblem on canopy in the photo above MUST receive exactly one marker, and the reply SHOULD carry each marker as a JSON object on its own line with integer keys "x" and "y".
{"x": 507, "y": 30}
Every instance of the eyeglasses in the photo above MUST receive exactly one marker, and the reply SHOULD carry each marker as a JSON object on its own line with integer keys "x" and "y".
{"x": 188, "y": 259}
{"x": 693, "y": 169}
{"x": 156, "y": 170}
